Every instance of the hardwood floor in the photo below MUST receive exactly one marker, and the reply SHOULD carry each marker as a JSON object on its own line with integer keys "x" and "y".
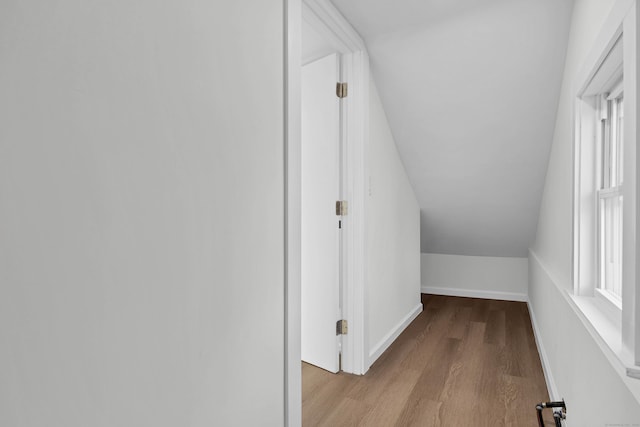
{"x": 462, "y": 362}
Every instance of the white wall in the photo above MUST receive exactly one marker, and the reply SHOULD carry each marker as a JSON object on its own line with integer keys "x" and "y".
{"x": 141, "y": 168}
{"x": 439, "y": 66}
{"x": 475, "y": 276}
{"x": 595, "y": 393}
{"x": 553, "y": 239}
{"x": 577, "y": 370}
{"x": 393, "y": 237}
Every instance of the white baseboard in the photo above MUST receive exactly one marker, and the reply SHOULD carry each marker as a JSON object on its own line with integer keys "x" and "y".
{"x": 546, "y": 366}
{"x": 384, "y": 344}
{"x": 471, "y": 293}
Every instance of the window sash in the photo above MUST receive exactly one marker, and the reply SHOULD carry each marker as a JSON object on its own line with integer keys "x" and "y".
{"x": 610, "y": 242}
{"x": 610, "y": 202}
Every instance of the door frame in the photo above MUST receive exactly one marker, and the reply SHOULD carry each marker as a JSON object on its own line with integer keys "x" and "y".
{"x": 326, "y": 19}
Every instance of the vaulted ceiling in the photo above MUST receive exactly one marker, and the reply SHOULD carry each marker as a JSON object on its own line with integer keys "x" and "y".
{"x": 470, "y": 88}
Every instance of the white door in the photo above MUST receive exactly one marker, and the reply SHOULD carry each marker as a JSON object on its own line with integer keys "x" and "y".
{"x": 320, "y": 233}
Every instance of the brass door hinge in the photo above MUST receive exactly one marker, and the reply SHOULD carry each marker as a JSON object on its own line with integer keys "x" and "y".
{"x": 341, "y": 90}
{"x": 341, "y": 207}
{"x": 341, "y": 327}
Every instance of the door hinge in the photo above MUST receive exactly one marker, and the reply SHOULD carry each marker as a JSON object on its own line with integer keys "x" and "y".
{"x": 342, "y": 327}
{"x": 341, "y": 90}
{"x": 341, "y": 207}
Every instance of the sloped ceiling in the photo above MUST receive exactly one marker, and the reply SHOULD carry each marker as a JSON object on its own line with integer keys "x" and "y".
{"x": 470, "y": 88}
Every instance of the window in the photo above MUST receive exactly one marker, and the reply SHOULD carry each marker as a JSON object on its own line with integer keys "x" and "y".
{"x": 599, "y": 180}
{"x": 606, "y": 276}
{"x": 609, "y": 194}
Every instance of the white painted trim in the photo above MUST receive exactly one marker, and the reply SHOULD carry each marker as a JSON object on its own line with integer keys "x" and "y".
{"x": 471, "y": 293}
{"x": 357, "y": 111}
{"x": 292, "y": 214}
{"x": 609, "y": 33}
{"x": 340, "y": 32}
{"x": 327, "y": 21}
{"x": 552, "y": 388}
{"x": 631, "y": 305}
{"x": 388, "y": 339}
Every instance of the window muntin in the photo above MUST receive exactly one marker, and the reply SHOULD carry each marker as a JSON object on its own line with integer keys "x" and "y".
{"x": 609, "y": 194}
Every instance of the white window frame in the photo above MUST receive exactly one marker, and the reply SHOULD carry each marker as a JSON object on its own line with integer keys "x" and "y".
{"x": 609, "y": 187}
{"x": 617, "y": 323}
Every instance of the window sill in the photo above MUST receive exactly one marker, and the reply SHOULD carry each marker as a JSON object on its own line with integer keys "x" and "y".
{"x": 603, "y": 319}
{"x": 613, "y": 305}
{"x": 604, "y": 324}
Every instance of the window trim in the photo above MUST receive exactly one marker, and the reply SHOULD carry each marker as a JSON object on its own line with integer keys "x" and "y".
{"x": 621, "y": 25}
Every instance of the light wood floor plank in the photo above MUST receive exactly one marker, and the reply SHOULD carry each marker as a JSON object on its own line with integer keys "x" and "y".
{"x": 462, "y": 362}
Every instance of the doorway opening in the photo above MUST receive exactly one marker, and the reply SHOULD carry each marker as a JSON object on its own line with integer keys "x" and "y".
{"x": 337, "y": 37}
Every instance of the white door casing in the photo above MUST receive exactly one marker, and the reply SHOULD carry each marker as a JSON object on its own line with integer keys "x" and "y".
{"x": 355, "y": 70}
